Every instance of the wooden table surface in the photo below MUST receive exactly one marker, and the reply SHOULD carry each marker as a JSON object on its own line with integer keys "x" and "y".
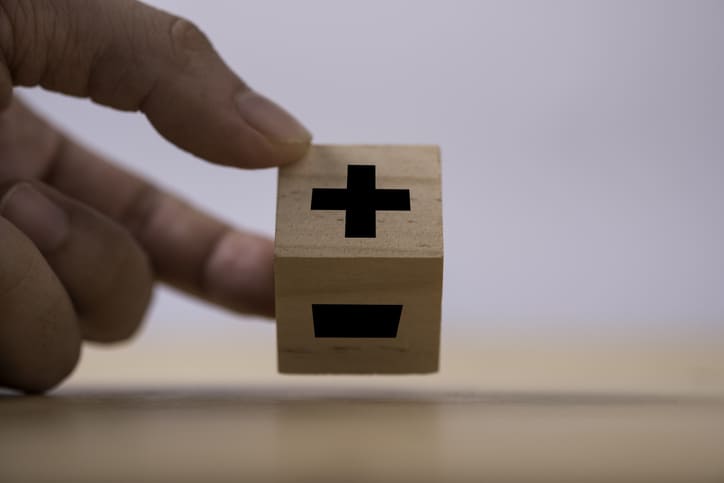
{"x": 506, "y": 407}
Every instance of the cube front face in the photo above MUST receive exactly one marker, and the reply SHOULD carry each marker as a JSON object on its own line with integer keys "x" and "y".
{"x": 310, "y": 343}
{"x": 358, "y": 261}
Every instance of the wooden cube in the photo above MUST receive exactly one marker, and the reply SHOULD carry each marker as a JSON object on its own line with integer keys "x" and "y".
{"x": 358, "y": 261}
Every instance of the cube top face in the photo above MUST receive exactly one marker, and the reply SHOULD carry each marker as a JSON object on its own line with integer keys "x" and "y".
{"x": 361, "y": 201}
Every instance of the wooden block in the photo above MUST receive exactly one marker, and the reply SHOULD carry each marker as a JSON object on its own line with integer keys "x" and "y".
{"x": 358, "y": 261}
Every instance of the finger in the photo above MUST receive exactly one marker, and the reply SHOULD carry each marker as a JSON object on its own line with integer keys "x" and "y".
{"x": 124, "y": 54}
{"x": 102, "y": 268}
{"x": 39, "y": 337}
{"x": 188, "y": 248}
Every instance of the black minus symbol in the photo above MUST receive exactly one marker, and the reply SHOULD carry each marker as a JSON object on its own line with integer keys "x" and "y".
{"x": 364, "y": 321}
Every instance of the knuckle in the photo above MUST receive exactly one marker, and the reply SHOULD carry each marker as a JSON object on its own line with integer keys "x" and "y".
{"x": 15, "y": 17}
{"x": 37, "y": 40}
{"x": 186, "y": 35}
{"x": 7, "y": 31}
{"x": 138, "y": 212}
{"x": 20, "y": 42}
{"x": 187, "y": 41}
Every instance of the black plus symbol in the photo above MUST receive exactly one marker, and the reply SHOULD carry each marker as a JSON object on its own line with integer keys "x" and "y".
{"x": 361, "y": 201}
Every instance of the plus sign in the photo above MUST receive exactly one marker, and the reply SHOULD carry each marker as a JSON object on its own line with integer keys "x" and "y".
{"x": 361, "y": 201}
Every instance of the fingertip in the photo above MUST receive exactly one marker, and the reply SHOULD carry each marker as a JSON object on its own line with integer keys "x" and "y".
{"x": 244, "y": 130}
{"x": 271, "y": 120}
{"x": 290, "y": 153}
{"x": 239, "y": 273}
{"x": 285, "y": 139}
{"x": 274, "y": 154}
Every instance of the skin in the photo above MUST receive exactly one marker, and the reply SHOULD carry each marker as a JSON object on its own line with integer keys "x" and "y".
{"x": 81, "y": 240}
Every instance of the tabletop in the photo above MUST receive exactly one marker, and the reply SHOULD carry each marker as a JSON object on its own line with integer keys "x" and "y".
{"x": 505, "y": 407}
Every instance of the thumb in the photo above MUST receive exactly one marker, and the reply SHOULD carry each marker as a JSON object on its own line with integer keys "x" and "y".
{"x": 127, "y": 55}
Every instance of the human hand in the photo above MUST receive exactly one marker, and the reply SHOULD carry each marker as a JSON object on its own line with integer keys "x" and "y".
{"x": 83, "y": 240}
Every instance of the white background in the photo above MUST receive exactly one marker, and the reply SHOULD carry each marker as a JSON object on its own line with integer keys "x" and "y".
{"x": 583, "y": 144}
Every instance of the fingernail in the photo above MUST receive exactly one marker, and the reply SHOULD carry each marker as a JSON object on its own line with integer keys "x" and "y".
{"x": 36, "y": 216}
{"x": 276, "y": 124}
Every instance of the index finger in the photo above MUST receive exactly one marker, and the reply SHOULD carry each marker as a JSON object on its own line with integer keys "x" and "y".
{"x": 127, "y": 55}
